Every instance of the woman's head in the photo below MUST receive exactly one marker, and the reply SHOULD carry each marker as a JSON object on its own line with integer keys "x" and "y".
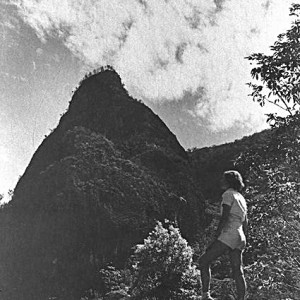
{"x": 233, "y": 179}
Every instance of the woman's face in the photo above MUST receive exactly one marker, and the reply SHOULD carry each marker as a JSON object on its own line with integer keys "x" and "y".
{"x": 224, "y": 184}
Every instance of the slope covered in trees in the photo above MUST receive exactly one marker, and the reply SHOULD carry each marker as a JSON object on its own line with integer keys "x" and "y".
{"x": 91, "y": 193}
{"x": 269, "y": 161}
{"x": 99, "y": 182}
{"x": 94, "y": 188}
{"x": 270, "y": 164}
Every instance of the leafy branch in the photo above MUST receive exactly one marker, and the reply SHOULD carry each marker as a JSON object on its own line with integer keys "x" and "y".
{"x": 278, "y": 74}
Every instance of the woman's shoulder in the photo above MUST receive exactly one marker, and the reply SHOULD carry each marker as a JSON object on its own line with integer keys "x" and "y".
{"x": 232, "y": 191}
{"x": 228, "y": 197}
{"x": 233, "y": 195}
{"x": 229, "y": 192}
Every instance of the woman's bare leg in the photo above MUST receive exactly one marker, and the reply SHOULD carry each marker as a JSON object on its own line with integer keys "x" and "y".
{"x": 238, "y": 273}
{"x": 213, "y": 251}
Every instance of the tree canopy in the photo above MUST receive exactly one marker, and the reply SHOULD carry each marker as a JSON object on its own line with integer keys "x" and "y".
{"x": 277, "y": 76}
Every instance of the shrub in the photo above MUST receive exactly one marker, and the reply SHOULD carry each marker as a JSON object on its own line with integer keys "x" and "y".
{"x": 163, "y": 267}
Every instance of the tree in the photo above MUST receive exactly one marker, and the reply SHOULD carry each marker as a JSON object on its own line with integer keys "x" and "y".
{"x": 278, "y": 74}
{"x": 163, "y": 267}
{"x": 273, "y": 172}
{"x": 272, "y": 194}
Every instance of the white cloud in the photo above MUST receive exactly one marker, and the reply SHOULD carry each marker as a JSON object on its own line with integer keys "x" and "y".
{"x": 163, "y": 48}
{"x": 3, "y": 154}
{"x": 8, "y": 165}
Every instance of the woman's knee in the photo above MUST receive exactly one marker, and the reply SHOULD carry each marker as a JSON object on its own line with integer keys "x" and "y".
{"x": 236, "y": 262}
{"x": 216, "y": 249}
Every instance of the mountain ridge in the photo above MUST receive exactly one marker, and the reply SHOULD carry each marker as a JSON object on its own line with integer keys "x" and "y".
{"x": 93, "y": 189}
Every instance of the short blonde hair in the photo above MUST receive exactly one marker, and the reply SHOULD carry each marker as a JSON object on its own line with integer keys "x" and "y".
{"x": 234, "y": 179}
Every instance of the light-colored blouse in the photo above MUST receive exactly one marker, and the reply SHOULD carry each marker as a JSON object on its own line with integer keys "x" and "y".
{"x": 232, "y": 233}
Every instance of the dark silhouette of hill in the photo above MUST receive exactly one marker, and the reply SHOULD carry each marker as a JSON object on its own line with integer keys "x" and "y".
{"x": 269, "y": 161}
{"x": 209, "y": 163}
{"x": 92, "y": 190}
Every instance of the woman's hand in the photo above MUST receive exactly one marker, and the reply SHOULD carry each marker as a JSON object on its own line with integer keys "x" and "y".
{"x": 224, "y": 219}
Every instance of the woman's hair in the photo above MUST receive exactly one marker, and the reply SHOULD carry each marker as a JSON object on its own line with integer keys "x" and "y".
{"x": 234, "y": 179}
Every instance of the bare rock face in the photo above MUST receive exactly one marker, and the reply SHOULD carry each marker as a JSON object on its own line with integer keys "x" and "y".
{"x": 93, "y": 189}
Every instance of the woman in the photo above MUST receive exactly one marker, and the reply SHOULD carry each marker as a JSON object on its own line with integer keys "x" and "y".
{"x": 230, "y": 235}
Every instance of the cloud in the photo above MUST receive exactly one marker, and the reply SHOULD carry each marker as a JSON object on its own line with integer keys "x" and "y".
{"x": 7, "y": 20}
{"x": 7, "y": 161}
{"x": 3, "y": 154}
{"x": 163, "y": 49}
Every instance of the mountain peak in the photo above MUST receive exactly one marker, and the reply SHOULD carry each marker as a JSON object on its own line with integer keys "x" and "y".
{"x": 93, "y": 189}
{"x": 105, "y": 78}
{"x": 102, "y": 104}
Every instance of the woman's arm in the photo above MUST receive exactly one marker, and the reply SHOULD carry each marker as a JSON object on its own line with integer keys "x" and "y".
{"x": 224, "y": 218}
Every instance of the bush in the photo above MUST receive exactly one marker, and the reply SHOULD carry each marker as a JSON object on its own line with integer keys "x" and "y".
{"x": 160, "y": 268}
{"x": 274, "y": 214}
{"x": 163, "y": 267}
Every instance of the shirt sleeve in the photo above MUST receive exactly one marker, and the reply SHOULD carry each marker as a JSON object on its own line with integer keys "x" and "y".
{"x": 227, "y": 198}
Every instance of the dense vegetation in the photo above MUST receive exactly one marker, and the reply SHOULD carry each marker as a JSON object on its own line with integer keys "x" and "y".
{"x": 269, "y": 161}
{"x": 112, "y": 207}
{"x": 94, "y": 188}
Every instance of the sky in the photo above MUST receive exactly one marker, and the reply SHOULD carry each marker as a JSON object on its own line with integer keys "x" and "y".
{"x": 185, "y": 59}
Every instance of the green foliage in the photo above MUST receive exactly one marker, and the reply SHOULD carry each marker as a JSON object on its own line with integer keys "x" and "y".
{"x": 269, "y": 161}
{"x": 273, "y": 173}
{"x": 273, "y": 270}
{"x": 209, "y": 163}
{"x": 160, "y": 268}
{"x": 163, "y": 267}
{"x": 113, "y": 279}
{"x": 94, "y": 188}
{"x": 113, "y": 284}
{"x": 278, "y": 74}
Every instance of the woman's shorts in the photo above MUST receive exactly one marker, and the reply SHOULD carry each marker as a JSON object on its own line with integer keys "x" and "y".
{"x": 235, "y": 239}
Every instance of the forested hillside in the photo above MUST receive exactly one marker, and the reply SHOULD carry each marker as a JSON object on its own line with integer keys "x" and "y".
{"x": 209, "y": 163}
{"x": 112, "y": 207}
{"x": 102, "y": 179}
{"x": 94, "y": 188}
{"x": 269, "y": 162}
